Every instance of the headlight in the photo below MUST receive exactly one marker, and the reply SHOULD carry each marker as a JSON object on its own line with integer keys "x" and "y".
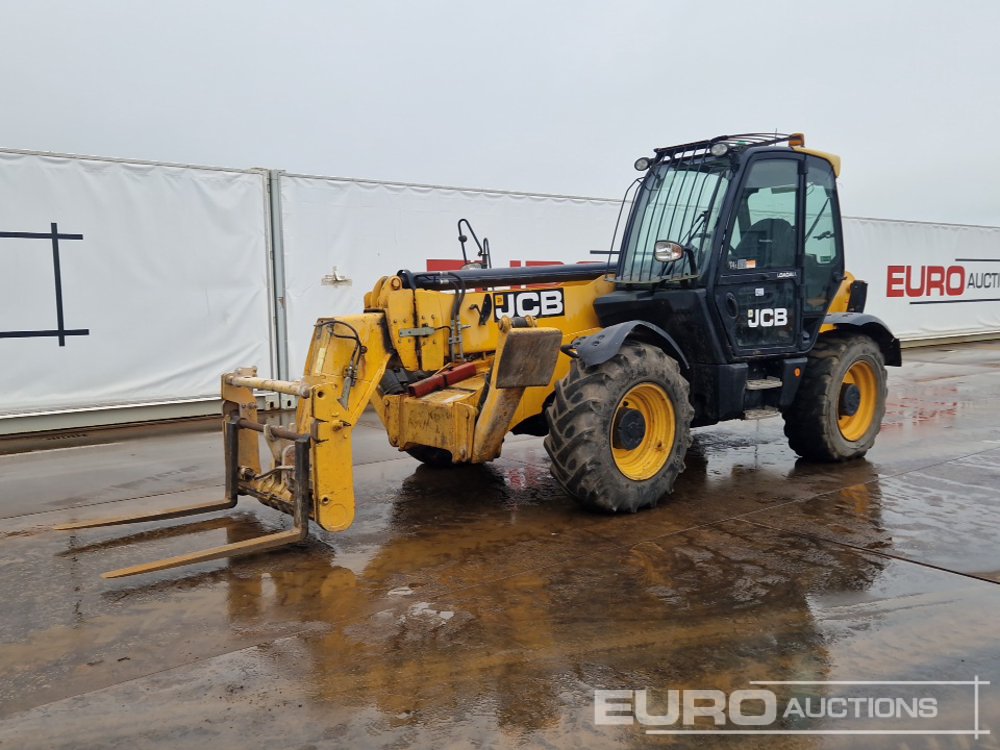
{"x": 665, "y": 251}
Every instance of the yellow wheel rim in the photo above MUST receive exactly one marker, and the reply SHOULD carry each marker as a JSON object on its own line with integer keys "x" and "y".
{"x": 853, "y": 427}
{"x": 644, "y": 460}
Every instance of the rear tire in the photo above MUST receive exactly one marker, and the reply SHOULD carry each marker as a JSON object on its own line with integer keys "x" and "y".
{"x": 840, "y": 403}
{"x": 437, "y": 458}
{"x": 618, "y": 431}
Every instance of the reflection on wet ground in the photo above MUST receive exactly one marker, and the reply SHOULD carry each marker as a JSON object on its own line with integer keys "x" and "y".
{"x": 478, "y": 607}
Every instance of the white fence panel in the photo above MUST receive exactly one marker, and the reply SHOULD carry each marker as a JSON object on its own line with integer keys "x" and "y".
{"x": 156, "y": 283}
{"x": 367, "y": 229}
{"x": 927, "y": 281}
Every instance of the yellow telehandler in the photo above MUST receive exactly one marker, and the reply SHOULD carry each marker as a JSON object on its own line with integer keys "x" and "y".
{"x": 727, "y": 299}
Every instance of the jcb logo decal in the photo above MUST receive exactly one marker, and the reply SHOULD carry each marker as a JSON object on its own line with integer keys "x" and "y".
{"x": 767, "y": 317}
{"x": 540, "y": 303}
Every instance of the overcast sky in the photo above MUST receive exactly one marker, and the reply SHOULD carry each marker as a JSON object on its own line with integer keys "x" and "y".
{"x": 556, "y": 97}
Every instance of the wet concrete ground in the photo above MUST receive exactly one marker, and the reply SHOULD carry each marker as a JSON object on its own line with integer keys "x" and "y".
{"x": 478, "y": 607}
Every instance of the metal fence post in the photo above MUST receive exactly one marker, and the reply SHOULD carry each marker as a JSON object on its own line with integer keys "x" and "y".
{"x": 278, "y": 275}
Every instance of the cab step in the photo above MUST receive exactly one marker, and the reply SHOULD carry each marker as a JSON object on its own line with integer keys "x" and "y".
{"x": 762, "y": 384}
{"x": 763, "y": 413}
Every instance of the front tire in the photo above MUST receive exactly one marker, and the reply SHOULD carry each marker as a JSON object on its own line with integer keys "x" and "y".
{"x": 618, "y": 431}
{"x": 840, "y": 403}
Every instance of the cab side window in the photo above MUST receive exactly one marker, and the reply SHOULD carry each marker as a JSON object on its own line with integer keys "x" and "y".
{"x": 764, "y": 232}
{"x": 823, "y": 261}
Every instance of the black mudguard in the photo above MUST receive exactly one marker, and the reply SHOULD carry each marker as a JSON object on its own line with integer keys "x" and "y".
{"x": 870, "y": 326}
{"x": 599, "y": 348}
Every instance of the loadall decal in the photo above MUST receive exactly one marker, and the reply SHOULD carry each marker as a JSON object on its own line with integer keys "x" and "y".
{"x": 539, "y": 303}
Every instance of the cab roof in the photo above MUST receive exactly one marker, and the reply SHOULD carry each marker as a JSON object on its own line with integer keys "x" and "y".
{"x": 740, "y": 142}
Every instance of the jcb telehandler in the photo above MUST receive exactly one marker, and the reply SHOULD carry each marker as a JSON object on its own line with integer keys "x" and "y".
{"x": 728, "y": 300}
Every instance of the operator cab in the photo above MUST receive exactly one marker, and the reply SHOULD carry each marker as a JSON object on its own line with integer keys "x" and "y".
{"x": 741, "y": 231}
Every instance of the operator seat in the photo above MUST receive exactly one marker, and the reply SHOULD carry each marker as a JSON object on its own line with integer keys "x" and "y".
{"x": 769, "y": 242}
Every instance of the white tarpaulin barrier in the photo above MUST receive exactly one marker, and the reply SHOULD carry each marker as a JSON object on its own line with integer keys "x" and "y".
{"x": 138, "y": 283}
{"x": 127, "y": 282}
{"x": 357, "y": 231}
{"x": 927, "y": 281}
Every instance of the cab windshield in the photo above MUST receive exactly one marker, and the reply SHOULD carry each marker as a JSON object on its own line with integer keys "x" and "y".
{"x": 677, "y": 202}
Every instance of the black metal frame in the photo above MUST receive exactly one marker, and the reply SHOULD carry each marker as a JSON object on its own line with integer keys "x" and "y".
{"x": 682, "y": 155}
{"x": 644, "y": 273}
{"x": 735, "y": 142}
{"x": 60, "y": 332}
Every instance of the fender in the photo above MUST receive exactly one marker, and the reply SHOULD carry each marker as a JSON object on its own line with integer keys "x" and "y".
{"x": 870, "y": 326}
{"x": 599, "y": 348}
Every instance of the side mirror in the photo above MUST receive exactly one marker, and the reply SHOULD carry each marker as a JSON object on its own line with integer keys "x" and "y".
{"x": 666, "y": 251}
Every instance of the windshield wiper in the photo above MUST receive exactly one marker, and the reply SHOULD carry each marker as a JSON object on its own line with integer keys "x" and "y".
{"x": 816, "y": 221}
{"x": 697, "y": 225}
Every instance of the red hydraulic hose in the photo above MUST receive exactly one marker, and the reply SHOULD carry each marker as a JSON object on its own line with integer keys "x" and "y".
{"x": 442, "y": 380}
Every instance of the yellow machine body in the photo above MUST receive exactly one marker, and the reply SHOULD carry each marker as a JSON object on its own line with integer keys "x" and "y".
{"x": 456, "y": 418}
{"x": 450, "y": 369}
{"x": 468, "y": 419}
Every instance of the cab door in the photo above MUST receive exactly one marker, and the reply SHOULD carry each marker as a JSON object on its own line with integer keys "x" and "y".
{"x": 757, "y": 286}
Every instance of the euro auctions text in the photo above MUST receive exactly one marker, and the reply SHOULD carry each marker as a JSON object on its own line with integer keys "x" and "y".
{"x": 800, "y": 707}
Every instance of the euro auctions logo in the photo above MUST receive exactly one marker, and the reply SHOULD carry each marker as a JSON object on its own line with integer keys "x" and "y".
{"x": 800, "y": 707}
{"x": 967, "y": 280}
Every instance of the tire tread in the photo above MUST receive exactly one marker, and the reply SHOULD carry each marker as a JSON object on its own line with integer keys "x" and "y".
{"x": 579, "y": 414}
{"x": 808, "y": 421}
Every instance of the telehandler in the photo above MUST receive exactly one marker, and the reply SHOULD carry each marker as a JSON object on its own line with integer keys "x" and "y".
{"x": 728, "y": 299}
